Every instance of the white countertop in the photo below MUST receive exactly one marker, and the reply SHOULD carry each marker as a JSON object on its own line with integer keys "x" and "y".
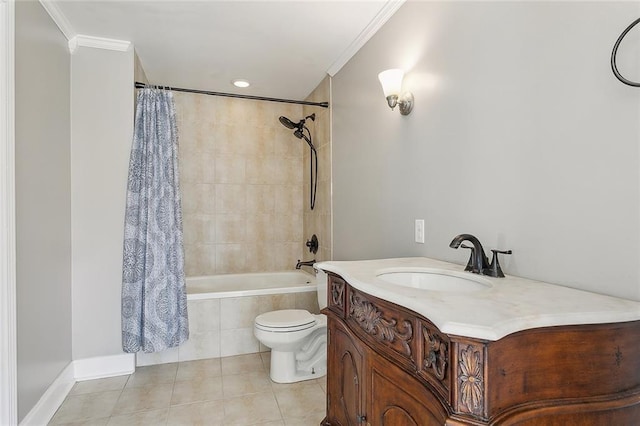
{"x": 509, "y": 305}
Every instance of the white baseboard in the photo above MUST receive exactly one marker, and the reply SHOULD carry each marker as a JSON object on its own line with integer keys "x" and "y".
{"x": 104, "y": 366}
{"x": 77, "y": 371}
{"x": 51, "y": 400}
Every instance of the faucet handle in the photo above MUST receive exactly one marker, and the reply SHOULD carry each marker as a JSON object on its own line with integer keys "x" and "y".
{"x": 469, "y": 266}
{"x": 494, "y": 270}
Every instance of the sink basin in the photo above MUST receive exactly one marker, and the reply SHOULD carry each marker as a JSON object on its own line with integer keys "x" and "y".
{"x": 435, "y": 280}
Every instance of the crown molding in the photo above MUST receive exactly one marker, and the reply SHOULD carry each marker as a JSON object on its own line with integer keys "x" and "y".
{"x": 98, "y": 43}
{"x": 58, "y": 17}
{"x": 76, "y": 40}
{"x": 386, "y": 12}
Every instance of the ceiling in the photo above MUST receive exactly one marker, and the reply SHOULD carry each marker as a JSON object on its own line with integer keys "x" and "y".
{"x": 284, "y": 48}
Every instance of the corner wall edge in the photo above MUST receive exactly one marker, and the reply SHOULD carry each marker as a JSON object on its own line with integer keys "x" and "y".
{"x": 385, "y": 13}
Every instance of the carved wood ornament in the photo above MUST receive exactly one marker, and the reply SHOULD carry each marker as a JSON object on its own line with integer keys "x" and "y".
{"x": 337, "y": 293}
{"x": 436, "y": 353}
{"x": 471, "y": 381}
{"x": 374, "y": 323}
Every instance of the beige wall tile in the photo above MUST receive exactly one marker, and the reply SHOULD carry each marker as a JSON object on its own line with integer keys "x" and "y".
{"x": 230, "y": 228}
{"x": 197, "y": 167}
{"x": 201, "y": 345}
{"x": 287, "y": 254}
{"x": 230, "y": 168}
{"x": 261, "y": 170}
{"x": 260, "y": 227}
{"x": 260, "y": 254}
{"x": 238, "y": 312}
{"x": 230, "y": 258}
{"x": 288, "y": 228}
{"x": 204, "y": 315}
{"x": 204, "y": 198}
{"x": 307, "y": 301}
{"x": 289, "y": 199}
{"x": 200, "y": 259}
{"x": 199, "y": 228}
{"x": 230, "y": 198}
{"x": 239, "y": 341}
{"x": 260, "y": 198}
{"x": 276, "y": 302}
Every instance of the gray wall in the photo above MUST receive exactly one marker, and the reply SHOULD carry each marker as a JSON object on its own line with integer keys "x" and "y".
{"x": 43, "y": 217}
{"x": 520, "y": 135}
{"x": 102, "y": 101}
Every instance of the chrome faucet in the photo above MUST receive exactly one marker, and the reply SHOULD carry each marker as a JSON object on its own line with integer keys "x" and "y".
{"x": 306, "y": 263}
{"x": 478, "y": 262}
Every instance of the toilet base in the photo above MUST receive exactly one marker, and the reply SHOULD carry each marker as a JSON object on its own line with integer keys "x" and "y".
{"x": 281, "y": 371}
{"x": 307, "y": 364}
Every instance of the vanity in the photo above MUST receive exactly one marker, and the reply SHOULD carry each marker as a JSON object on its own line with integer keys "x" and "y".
{"x": 416, "y": 341}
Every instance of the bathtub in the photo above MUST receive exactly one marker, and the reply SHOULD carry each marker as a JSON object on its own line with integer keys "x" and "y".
{"x": 222, "y": 308}
{"x": 244, "y": 285}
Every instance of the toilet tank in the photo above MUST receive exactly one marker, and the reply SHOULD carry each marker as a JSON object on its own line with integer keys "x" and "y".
{"x": 321, "y": 283}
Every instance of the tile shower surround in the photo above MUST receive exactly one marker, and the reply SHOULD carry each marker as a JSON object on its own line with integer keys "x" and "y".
{"x": 241, "y": 175}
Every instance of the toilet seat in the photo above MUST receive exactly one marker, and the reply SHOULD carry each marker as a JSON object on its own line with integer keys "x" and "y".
{"x": 286, "y": 320}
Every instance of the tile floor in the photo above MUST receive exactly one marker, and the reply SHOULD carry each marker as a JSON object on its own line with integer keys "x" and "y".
{"x": 220, "y": 391}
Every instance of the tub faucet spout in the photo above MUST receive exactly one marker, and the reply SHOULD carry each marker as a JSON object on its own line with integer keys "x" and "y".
{"x": 306, "y": 263}
{"x": 478, "y": 262}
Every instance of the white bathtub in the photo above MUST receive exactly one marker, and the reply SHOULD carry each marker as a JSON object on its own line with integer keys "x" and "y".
{"x": 254, "y": 284}
{"x": 222, "y": 308}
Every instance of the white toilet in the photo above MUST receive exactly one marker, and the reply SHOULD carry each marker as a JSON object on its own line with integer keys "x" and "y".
{"x": 297, "y": 338}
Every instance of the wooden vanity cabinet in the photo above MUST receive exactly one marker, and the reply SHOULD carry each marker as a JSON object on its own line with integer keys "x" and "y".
{"x": 390, "y": 366}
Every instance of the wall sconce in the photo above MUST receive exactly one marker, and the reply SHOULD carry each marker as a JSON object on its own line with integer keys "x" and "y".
{"x": 391, "y": 81}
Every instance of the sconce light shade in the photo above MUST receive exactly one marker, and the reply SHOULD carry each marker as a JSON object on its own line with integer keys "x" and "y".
{"x": 391, "y": 81}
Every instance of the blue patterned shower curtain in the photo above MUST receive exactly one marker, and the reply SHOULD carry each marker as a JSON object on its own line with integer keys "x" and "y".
{"x": 154, "y": 301}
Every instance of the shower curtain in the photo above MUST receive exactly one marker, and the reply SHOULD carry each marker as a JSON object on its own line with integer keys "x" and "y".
{"x": 154, "y": 302}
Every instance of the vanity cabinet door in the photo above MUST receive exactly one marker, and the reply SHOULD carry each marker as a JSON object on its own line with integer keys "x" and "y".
{"x": 397, "y": 399}
{"x": 344, "y": 377}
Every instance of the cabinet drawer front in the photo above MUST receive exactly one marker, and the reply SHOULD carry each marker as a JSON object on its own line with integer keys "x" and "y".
{"x": 384, "y": 326}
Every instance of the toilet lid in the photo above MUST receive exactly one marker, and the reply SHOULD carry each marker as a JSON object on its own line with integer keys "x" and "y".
{"x": 285, "y": 320}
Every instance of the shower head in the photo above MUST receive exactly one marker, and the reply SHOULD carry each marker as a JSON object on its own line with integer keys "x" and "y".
{"x": 288, "y": 123}
{"x": 299, "y": 125}
{"x": 299, "y": 128}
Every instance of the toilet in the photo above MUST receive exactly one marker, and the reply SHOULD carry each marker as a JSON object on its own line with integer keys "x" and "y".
{"x": 297, "y": 338}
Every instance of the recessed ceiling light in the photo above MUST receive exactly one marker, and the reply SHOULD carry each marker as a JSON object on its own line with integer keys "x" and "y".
{"x": 241, "y": 83}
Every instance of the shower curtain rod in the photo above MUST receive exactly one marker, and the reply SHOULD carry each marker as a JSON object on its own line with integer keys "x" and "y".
{"x": 139, "y": 85}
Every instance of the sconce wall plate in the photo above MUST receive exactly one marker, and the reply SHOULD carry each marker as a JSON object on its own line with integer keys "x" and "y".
{"x": 406, "y": 103}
